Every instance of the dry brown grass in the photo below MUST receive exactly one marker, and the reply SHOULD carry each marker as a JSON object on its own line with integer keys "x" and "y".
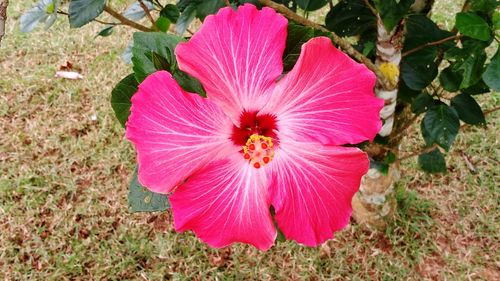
{"x": 63, "y": 187}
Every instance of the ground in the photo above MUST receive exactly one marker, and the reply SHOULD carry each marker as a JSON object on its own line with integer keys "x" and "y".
{"x": 65, "y": 166}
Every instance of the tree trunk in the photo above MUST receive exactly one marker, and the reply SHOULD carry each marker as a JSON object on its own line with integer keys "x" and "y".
{"x": 3, "y": 17}
{"x": 375, "y": 201}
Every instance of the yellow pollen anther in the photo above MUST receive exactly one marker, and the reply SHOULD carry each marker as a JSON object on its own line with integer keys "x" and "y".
{"x": 258, "y": 150}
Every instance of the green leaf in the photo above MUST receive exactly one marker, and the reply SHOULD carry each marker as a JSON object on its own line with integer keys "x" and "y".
{"x": 148, "y": 48}
{"x": 432, "y": 162}
{"x": 163, "y": 24}
{"x": 153, "y": 51}
{"x": 471, "y": 68}
{"x": 106, "y": 31}
{"x": 351, "y": 18}
{"x": 42, "y": 12}
{"x": 140, "y": 199}
{"x": 121, "y": 96}
{"x": 419, "y": 69}
{"x": 406, "y": 94}
{"x": 440, "y": 125}
{"x": 476, "y": 89}
{"x": 185, "y": 19}
{"x": 492, "y": 74}
{"x": 450, "y": 80}
{"x": 82, "y": 12}
{"x": 483, "y": 5}
{"x": 392, "y": 11}
{"x": 189, "y": 83}
{"x": 311, "y": 5}
{"x": 496, "y": 20}
{"x": 171, "y": 12}
{"x": 135, "y": 11}
{"x": 472, "y": 25}
{"x": 422, "y": 30}
{"x": 297, "y": 36}
{"x": 208, "y": 7}
{"x": 422, "y": 103}
{"x": 468, "y": 110}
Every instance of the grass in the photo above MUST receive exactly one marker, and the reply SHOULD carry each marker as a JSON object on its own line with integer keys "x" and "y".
{"x": 64, "y": 169}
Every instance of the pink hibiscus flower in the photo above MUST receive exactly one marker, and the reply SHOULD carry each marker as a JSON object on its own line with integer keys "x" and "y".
{"x": 258, "y": 140}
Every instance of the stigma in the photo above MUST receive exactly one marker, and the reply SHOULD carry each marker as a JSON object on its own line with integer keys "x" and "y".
{"x": 258, "y": 150}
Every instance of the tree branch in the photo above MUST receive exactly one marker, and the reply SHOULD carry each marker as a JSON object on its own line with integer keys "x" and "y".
{"x": 123, "y": 20}
{"x": 343, "y": 44}
{"x": 3, "y": 17}
{"x": 430, "y": 44}
{"x": 148, "y": 14}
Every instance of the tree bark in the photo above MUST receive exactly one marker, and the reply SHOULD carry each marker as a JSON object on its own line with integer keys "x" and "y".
{"x": 3, "y": 17}
{"x": 375, "y": 203}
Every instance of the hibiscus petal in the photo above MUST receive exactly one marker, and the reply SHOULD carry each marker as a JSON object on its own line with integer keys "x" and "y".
{"x": 327, "y": 97}
{"x": 226, "y": 202}
{"x": 312, "y": 187}
{"x": 237, "y": 56}
{"x": 174, "y": 132}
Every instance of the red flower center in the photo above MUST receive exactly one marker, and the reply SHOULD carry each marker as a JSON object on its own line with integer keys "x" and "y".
{"x": 251, "y": 123}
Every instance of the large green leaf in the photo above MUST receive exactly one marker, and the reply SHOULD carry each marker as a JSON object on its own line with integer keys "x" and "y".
{"x": 492, "y": 74}
{"x": 185, "y": 19}
{"x": 419, "y": 69}
{"x": 135, "y": 11}
{"x": 472, "y": 25}
{"x": 45, "y": 11}
{"x": 171, "y": 12}
{"x": 483, "y": 5}
{"x": 351, "y": 18}
{"x": 440, "y": 125}
{"x": 450, "y": 80}
{"x": 392, "y": 11}
{"x": 208, "y": 7}
{"x": 140, "y": 199}
{"x": 432, "y": 162}
{"x": 467, "y": 61}
{"x": 422, "y": 103}
{"x": 82, "y": 12}
{"x": 311, "y": 5}
{"x": 468, "y": 110}
{"x": 297, "y": 36}
{"x": 421, "y": 30}
{"x": 147, "y": 47}
{"x": 121, "y": 96}
{"x": 153, "y": 51}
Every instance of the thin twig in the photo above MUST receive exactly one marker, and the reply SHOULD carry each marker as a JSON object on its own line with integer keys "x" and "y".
{"x": 430, "y": 44}
{"x": 158, "y": 3}
{"x": 96, "y": 20}
{"x": 372, "y": 9}
{"x": 3, "y": 17}
{"x": 344, "y": 45}
{"x": 148, "y": 14}
{"x": 431, "y": 148}
{"x": 124, "y": 20}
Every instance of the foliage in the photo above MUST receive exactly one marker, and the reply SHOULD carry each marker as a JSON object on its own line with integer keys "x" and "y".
{"x": 440, "y": 71}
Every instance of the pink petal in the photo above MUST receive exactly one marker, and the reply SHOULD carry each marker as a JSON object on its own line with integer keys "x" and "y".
{"x": 175, "y": 133}
{"x": 327, "y": 97}
{"x": 311, "y": 189}
{"x": 237, "y": 56}
{"x": 226, "y": 202}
